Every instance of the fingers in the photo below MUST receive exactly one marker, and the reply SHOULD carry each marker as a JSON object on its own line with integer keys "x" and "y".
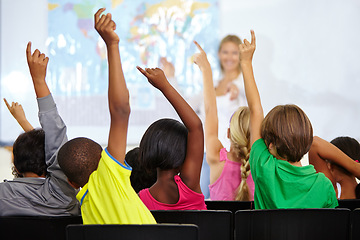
{"x": 198, "y": 46}
{"x": 28, "y": 51}
{"x": 107, "y": 19}
{"x": 253, "y": 40}
{"x": 142, "y": 71}
{"x": 7, "y": 104}
{"x": 97, "y": 14}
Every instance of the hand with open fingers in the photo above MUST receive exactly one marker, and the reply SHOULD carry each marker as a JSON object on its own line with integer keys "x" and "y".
{"x": 37, "y": 63}
{"x": 106, "y": 27}
{"x": 155, "y": 76}
{"x": 247, "y": 48}
{"x": 200, "y": 58}
{"x": 16, "y": 110}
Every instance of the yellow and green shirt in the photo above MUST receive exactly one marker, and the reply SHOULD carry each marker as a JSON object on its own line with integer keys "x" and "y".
{"x": 108, "y": 197}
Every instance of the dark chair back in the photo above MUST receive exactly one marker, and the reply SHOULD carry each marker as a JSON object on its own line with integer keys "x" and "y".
{"x": 133, "y": 232}
{"x": 294, "y": 224}
{"x": 232, "y": 206}
{"x": 355, "y": 224}
{"x": 212, "y": 224}
{"x": 349, "y": 203}
{"x": 36, "y": 228}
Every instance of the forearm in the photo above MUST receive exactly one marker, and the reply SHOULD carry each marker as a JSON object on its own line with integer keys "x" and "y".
{"x": 328, "y": 151}
{"x": 118, "y": 92}
{"x": 25, "y": 124}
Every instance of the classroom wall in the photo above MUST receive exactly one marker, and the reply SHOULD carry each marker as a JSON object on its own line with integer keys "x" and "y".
{"x": 307, "y": 54}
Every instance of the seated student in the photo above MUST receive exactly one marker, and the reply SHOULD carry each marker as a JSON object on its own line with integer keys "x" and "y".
{"x": 230, "y": 177}
{"x": 337, "y": 160}
{"x": 106, "y": 196}
{"x": 43, "y": 189}
{"x": 140, "y": 178}
{"x": 175, "y": 150}
{"x": 278, "y": 143}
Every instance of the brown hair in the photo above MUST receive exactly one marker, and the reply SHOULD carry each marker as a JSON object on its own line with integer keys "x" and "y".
{"x": 230, "y": 38}
{"x": 289, "y": 129}
{"x": 240, "y": 138}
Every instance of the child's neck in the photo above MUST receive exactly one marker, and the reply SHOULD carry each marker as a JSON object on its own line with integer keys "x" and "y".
{"x": 348, "y": 185}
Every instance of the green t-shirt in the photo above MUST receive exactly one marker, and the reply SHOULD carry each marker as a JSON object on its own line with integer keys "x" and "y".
{"x": 278, "y": 184}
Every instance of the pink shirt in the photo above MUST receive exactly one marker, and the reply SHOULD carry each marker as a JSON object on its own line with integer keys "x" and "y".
{"x": 224, "y": 188}
{"x": 188, "y": 200}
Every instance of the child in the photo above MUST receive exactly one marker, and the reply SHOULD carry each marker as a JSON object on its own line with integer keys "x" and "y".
{"x": 278, "y": 143}
{"x": 175, "y": 150}
{"x": 106, "y": 196}
{"x": 43, "y": 190}
{"x": 140, "y": 178}
{"x": 337, "y": 160}
{"x": 229, "y": 171}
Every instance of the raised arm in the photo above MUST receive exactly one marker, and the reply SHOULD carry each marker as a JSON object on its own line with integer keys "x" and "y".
{"x": 321, "y": 150}
{"x": 18, "y": 113}
{"x": 118, "y": 94}
{"x": 212, "y": 142}
{"x": 190, "y": 171}
{"x": 252, "y": 94}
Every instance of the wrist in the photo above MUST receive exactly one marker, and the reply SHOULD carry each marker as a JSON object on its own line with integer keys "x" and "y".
{"x": 246, "y": 62}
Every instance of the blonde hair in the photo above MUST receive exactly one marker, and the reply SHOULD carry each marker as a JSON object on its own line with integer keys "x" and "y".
{"x": 240, "y": 138}
{"x": 229, "y": 38}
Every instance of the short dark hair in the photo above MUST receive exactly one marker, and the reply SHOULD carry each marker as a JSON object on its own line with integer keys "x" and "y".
{"x": 78, "y": 158}
{"x": 29, "y": 152}
{"x": 289, "y": 129}
{"x": 163, "y": 145}
{"x": 140, "y": 178}
{"x": 350, "y": 147}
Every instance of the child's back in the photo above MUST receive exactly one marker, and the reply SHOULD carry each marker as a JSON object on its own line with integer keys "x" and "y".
{"x": 106, "y": 196}
{"x": 176, "y": 151}
{"x": 278, "y": 143}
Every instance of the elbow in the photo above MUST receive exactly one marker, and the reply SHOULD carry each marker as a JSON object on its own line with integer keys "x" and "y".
{"x": 121, "y": 109}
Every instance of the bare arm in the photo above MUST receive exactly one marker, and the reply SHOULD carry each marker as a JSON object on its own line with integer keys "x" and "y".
{"x": 322, "y": 150}
{"x": 190, "y": 170}
{"x": 118, "y": 94}
{"x": 252, "y": 94}
{"x": 18, "y": 113}
{"x": 212, "y": 142}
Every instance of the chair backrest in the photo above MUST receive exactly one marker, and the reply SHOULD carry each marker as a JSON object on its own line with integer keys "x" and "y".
{"x": 212, "y": 224}
{"x": 232, "y": 206}
{"x": 355, "y": 224}
{"x": 294, "y": 224}
{"x": 133, "y": 232}
{"x": 29, "y": 227}
{"x": 349, "y": 203}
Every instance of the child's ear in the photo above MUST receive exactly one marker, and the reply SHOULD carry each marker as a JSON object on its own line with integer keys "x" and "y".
{"x": 74, "y": 185}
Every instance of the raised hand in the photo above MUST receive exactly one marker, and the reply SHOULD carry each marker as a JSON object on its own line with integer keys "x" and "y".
{"x": 155, "y": 76}
{"x": 247, "y": 49}
{"x": 200, "y": 58}
{"x": 37, "y": 65}
{"x": 18, "y": 113}
{"x": 106, "y": 27}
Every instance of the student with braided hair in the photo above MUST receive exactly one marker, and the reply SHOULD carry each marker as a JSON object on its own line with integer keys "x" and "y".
{"x": 230, "y": 177}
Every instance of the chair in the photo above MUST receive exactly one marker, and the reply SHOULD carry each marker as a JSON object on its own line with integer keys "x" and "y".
{"x": 232, "y": 206}
{"x": 133, "y": 232}
{"x": 212, "y": 224}
{"x": 349, "y": 203}
{"x": 294, "y": 224}
{"x": 32, "y": 227}
{"x": 355, "y": 224}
